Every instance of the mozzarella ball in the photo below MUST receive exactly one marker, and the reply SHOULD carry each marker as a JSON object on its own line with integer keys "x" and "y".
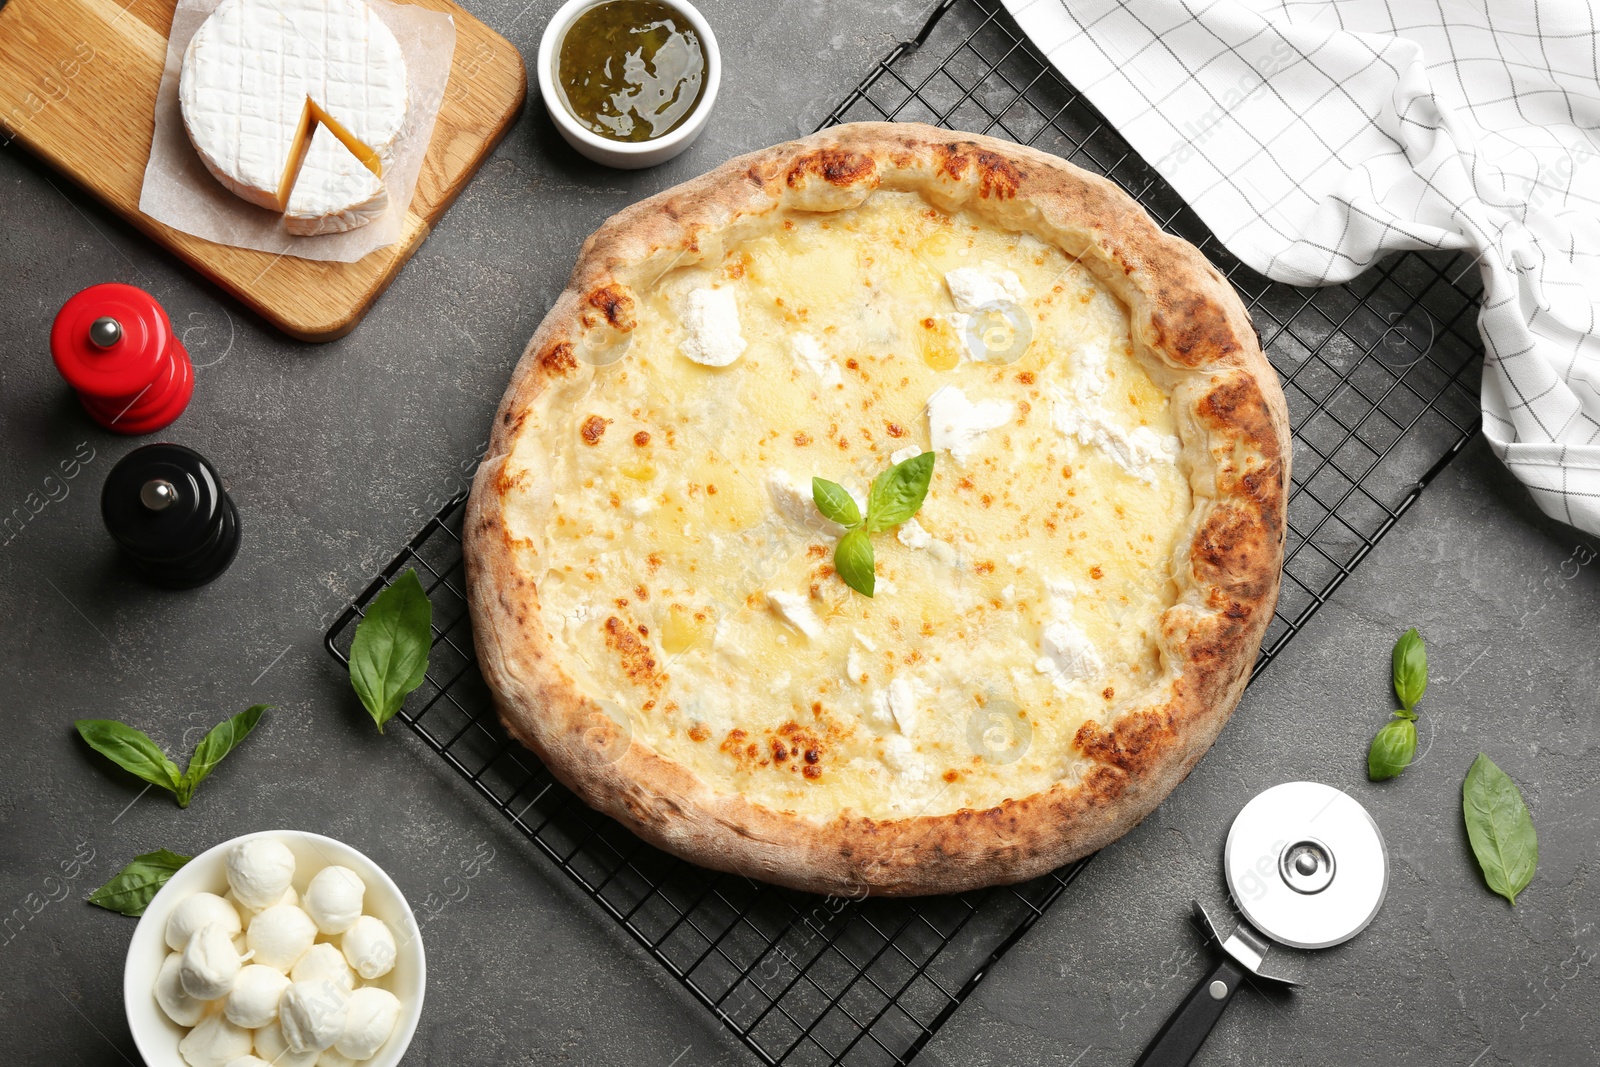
{"x": 324, "y": 963}
{"x": 209, "y": 964}
{"x": 259, "y": 871}
{"x": 369, "y": 946}
{"x": 193, "y": 912}
{"x": 253, "y": 1000}
{"x": 273, "y": 1047}
{"x": 180, "y": 1007}
{"x": 246, "y": 914}
{"x": 368, "y": 1022}
{"x": 333, "y": 899}
{"x": 280, "y": 935}
{"x": 216, "y": 1042}
{"x": 332, "y": 1057}
{"x": 248, "y": 1061}
{"x": 312, "y": 1015}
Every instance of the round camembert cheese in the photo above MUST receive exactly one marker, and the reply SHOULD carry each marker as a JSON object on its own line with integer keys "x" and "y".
{"x": 296, "y": 105}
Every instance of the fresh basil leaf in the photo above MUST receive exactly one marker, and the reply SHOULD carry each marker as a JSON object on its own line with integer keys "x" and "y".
{"x": 898, "y": 492}
{"x": 130, "y": 749}
{"x": 389, "y": 655}
{"x": 1499, "y": 828}
{"x": 853, "y": 559}
{"x": 835, "y": 503}
{"x": 1392, "y": 749}
{"x": 1410, "y": 659}
{"x": 130, "y": 891}
{"x": 222, "y": 739}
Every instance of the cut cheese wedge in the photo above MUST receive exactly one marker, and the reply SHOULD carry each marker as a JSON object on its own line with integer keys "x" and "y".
{"x": 264, "y": 82}
{"x": 334, "y": 190}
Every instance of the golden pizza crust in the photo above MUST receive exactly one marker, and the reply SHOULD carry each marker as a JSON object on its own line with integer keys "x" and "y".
{"x": 1233, "y": 426}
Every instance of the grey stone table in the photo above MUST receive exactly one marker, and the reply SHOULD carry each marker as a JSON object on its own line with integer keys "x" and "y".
{"x": 336, "y": 453}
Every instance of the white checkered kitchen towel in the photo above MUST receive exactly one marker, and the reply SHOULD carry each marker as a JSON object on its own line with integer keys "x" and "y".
{"x": 1316, "y": 136}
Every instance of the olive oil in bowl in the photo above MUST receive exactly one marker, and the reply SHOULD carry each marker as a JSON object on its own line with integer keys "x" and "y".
{"x": 631, "y": 70}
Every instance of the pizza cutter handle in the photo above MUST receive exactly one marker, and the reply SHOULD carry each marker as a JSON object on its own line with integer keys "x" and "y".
{"x": 1189, "y": 1026}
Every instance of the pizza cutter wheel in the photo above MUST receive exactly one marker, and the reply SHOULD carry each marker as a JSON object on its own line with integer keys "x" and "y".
{"x": 1306, "y": 866}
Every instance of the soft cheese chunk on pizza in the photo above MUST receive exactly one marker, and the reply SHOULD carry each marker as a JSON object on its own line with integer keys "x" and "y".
{"x": 1053, "y": 638}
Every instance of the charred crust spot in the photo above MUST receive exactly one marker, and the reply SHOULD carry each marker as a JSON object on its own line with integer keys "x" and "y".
{"x": 642, "y": 438}
{"x": 594, "y": 428}
{"x": 614, "y": 302}
{"x": 894, "y": 429}
{"x": 952, "y": 163}
{"x": 637, "y": 662}
{"x": 699, "y": 732}
{"x": 1026, "y": 377}
{"x": 1237, "y": 404}
{"x": 1235, "y": 550}
{"x": 558, "y": 358}
{"x": 1134, "y": 745}
{"x": 835, "y": 166}
{"x": 801, "y": 439}
{"x": 1192, "y": 328}
{"x": 998, "y": 177}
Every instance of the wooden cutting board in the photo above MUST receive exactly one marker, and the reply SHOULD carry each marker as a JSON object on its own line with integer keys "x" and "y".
{"x": 78, "y": 82}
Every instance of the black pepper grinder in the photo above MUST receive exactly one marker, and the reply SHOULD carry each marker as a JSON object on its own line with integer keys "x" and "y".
{"x": 165, "y": 507}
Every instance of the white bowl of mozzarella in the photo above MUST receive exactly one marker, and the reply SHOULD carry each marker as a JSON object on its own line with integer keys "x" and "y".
{"x": 282, "y": 947}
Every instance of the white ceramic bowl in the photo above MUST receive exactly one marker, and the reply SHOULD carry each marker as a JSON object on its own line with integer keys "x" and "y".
{"x": 157, "y": 1036}
{"x": 626, "y": 155}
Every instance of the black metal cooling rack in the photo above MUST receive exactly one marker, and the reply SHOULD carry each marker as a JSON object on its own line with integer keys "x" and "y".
{"x": 1382, "y": 379}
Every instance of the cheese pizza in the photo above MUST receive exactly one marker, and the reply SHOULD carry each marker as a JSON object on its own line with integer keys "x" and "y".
{"x": 1051, "y": 641}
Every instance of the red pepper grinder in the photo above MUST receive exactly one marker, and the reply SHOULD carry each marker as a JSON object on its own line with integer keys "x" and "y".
{"x": 115, "y": 346}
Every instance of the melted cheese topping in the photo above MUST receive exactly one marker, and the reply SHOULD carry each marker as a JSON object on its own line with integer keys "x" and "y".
{"x": 683, "y": 576}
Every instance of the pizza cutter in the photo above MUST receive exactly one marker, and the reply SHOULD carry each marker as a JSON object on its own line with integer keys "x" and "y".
{"x": 1307, "y": 867}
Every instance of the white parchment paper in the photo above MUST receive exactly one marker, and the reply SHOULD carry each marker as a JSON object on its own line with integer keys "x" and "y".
{"x": 180, "y": 192}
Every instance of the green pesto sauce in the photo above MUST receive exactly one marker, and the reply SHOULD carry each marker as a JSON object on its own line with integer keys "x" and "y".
{"x": 631, "y": 70}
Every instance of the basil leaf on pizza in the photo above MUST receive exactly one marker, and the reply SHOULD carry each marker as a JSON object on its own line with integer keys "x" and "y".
{"x": 897, "y": 494}
{"x": 853, "y": 559}
{"x": 835, "y": 503}
{"x": 806, "y": 681}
